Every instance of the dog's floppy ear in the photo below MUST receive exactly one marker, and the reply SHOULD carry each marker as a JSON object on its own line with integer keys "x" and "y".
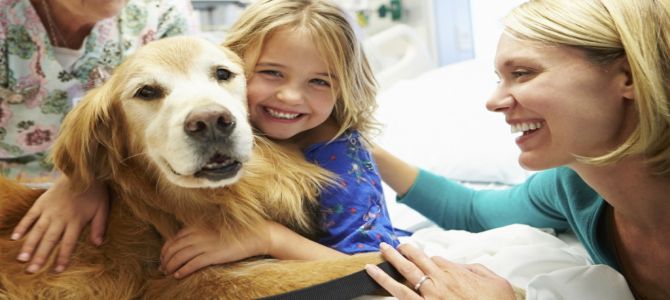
{"x": 91, "y": 138}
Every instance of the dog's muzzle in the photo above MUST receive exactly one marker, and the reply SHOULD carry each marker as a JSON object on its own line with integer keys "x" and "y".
{"x": 210, "y": 128}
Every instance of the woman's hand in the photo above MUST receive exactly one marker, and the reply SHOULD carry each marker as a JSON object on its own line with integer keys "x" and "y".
{"x": 59, "y": 215}
{"x": 445, "y": 279}
{"x": 194, "y": 248}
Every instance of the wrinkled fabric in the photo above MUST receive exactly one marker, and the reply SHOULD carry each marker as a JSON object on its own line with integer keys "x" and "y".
{"x": 354, "y": 217}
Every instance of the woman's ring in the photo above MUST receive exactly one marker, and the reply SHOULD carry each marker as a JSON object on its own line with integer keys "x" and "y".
{"x": 421, "y": 281}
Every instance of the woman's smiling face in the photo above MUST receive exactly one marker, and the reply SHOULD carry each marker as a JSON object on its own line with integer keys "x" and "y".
{"x": 564, "y": 104}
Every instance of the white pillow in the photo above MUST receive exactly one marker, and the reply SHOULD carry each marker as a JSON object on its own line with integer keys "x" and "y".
{"x": 439, "y": 122}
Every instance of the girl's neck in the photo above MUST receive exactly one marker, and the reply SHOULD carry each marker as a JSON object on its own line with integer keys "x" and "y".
{"x": 630, "y": 187}
{"x": 326, "y": 131}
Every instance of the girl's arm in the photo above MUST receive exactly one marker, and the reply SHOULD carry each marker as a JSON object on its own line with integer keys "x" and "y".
{"x": 287, "y": 244}
{"x": 58, "y": 216}
{"x": 194, "y": 248}
{"x": 398, "y": 174}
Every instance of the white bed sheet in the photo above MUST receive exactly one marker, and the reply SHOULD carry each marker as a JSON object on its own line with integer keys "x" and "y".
{"x": 548, "y": 267}
{"x": 438, "y": 121}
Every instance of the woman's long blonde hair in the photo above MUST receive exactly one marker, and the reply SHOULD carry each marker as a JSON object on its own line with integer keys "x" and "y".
{"x": 607, "y": 30}
{"x": 336, "y": 40}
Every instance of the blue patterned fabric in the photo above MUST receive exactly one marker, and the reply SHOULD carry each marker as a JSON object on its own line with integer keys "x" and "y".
{"x": 354, "y": 217}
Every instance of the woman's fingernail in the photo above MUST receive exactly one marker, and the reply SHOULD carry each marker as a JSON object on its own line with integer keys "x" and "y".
{"x": 24, "y": 257}
{"x": 384, "y": 246}
{"x": 59, "y": 268}
{"x": 33, "y": 268}
{"x": 98, "y": 241}
{"x": 15, "y": 236}
{"x": 372, "y": 270}
{"x": 176, "y": 275}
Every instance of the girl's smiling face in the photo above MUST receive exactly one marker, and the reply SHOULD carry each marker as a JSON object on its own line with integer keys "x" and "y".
{"x": 563, "y": 104}
{"x": 291, "y": 93}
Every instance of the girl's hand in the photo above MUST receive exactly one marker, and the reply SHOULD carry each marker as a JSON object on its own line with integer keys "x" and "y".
{"x": 194, "y": 248}
{"x": 59, "y": 215}
{"x": 446, "y": 280}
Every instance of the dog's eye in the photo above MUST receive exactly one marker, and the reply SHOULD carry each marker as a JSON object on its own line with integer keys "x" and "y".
{"x": 148, "y": 92}
{"x": 223, "y": 74}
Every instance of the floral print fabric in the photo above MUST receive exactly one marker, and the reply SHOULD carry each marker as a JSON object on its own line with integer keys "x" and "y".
{"x": 354, "y": 217}
{"x": 36, "y": 91}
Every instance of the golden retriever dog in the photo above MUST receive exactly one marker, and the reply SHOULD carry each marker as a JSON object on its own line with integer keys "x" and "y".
{"x": 169, "y": 135}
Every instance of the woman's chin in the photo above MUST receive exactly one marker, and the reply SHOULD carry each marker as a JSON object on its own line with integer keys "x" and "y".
{"x": 532, "y": 162}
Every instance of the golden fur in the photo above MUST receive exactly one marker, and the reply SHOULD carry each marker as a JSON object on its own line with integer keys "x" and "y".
{"x": 138, "y": 148}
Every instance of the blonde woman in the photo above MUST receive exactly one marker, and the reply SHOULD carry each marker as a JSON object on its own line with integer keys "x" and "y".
{"x": 587, "y": 83}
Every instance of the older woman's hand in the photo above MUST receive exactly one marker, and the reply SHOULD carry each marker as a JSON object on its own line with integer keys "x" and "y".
{"x": 438, "y": 278}
{"x": 58, "y": 217}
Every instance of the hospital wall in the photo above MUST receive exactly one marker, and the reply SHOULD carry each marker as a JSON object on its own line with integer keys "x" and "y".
{"x": 403, "y": 38}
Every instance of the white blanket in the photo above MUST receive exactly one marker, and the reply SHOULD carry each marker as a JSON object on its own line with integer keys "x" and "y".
{"x": 548, "y": 267}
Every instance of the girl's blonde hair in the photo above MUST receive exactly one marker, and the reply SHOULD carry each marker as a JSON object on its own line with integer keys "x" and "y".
{"x": 335, "y": 39}
{"x": 607, "y": 30}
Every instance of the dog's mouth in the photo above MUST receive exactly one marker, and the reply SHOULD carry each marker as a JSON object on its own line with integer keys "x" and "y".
{"x": 219, "y": 167}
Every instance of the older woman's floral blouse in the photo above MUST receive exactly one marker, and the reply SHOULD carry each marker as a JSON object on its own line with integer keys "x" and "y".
{"x": 36, "y": 91}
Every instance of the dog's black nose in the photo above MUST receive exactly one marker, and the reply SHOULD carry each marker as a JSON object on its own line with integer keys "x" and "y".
{"x": 209, "y": 123}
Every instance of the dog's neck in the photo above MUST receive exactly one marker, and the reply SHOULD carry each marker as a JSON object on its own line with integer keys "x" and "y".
{"x": 171, "y": 208}
{"x": 277, "y": 185}
{"x": 234, "y": 209}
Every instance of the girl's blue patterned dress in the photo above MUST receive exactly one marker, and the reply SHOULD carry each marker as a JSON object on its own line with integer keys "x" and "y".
{"x": 353, "y": 217}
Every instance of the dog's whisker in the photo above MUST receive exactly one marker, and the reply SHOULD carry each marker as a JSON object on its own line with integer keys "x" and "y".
{"x": 133, "y": 156}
